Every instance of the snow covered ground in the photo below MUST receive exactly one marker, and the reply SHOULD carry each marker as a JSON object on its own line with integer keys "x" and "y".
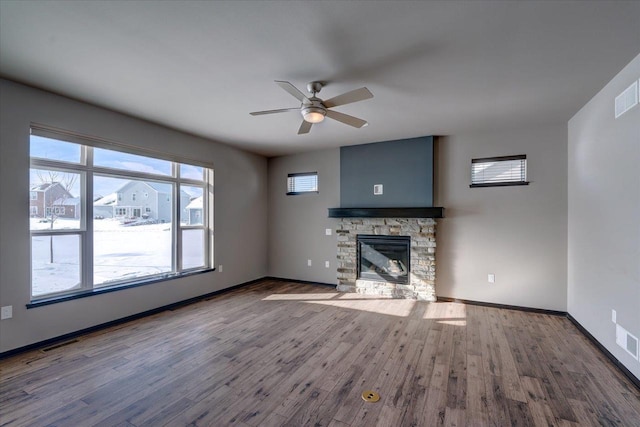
{"x": 120, "y": 253}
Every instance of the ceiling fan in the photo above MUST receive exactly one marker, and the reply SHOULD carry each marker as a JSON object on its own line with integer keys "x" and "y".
{"x": 314, "y": 109}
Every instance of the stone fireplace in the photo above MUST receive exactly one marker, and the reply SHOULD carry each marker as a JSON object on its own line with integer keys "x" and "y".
{"x": 386, "y": 272}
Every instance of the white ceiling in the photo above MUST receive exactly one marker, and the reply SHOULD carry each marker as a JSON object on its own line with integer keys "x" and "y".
{"x": 435, "y": 67}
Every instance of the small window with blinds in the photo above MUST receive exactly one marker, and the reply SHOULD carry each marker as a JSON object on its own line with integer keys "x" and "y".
{"x": 499, "y": 171}
{"x": 302, "y": 183}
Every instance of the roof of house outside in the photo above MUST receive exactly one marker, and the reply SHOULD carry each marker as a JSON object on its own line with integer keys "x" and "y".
{"x": 195, "y": 203}
{"x": 44, "y": 186}
{"x": 68, "y": 201}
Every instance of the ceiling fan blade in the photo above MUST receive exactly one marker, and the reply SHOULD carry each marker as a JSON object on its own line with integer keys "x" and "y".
{"x": 281, "y": 110}
{"x": 305, "y": 127}
{"x": 292, "y": 90}
{"x": 349, "y": 97}
{"x": 346, "y": 119}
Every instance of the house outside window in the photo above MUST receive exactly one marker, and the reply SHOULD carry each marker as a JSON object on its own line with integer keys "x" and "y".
{"x": 33, "y": 195}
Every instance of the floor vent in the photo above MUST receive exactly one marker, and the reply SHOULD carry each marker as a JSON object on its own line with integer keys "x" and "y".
{"x": 626, "y": 100}
{"x": 58, "y": 345}
{"x": 627, "y": 341}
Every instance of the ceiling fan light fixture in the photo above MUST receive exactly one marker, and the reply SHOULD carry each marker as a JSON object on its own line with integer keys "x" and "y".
{"x": 313, "y": 114}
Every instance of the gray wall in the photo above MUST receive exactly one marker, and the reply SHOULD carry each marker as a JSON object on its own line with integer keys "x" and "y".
{"x": 604, "y": 216}
{"x": 517, "y": 233}
{"x": 240, "y": 214}
{"x": 403, "y": 167}
{"x": 297, "y": 223}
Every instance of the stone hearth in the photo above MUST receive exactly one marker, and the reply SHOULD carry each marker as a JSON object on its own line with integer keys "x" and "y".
{"x": 423, "y": 256}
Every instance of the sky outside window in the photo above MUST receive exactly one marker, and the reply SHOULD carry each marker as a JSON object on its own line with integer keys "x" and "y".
{"x": 130, "y": 162}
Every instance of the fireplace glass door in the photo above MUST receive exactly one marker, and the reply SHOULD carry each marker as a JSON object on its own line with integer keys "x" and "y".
{"x": 384, "y": 258}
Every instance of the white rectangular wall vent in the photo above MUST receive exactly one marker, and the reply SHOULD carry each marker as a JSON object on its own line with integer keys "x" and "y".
{"x": 627, "y": 99}
{"x": 627, "y": 341}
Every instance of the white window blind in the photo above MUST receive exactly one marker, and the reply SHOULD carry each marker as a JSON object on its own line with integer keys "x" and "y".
{"x": 499, "y": 171}
{"x": 298, "y": 183}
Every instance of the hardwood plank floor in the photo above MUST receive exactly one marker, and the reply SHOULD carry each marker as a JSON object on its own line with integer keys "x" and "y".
{"x": 288, "y": 354}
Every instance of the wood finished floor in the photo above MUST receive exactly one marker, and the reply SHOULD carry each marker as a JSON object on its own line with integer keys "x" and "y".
{"x": 288, "y": 354}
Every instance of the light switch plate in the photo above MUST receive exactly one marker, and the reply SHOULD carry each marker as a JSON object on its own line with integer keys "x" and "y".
{"x": 6, "y": 312}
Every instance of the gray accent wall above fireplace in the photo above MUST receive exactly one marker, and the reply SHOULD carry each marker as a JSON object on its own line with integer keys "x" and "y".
{"x": 404, "y": 168}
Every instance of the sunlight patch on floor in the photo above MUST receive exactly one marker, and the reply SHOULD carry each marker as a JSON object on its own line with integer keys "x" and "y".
{"x": 390, "y": 307}
{"x": 299, "y": 297}
{"x": 446, "y": 311}
{"x": 453, "y": 322}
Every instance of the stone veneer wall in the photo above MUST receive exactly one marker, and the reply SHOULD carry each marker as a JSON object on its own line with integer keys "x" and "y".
{"x": 423, "y": 256}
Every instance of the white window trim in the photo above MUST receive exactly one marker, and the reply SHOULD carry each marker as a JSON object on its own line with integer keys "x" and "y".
{"x": 86, "y": 169}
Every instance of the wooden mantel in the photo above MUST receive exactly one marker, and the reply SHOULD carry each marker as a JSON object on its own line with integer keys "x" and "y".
{"x": 428, "y": 212}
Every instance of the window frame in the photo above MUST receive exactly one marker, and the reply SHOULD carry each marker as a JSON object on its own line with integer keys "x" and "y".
{"x": 522, "y": 181}
{"x": 291, "y": 178}
{"x": 87, "y": 170}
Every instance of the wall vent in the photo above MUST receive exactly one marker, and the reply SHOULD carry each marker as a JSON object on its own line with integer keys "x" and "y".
{"x": 627, "y": 99}
{"x": 627, "y": 341}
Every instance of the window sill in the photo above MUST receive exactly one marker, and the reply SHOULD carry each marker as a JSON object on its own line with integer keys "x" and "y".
{"x": 298, "y": 193}
{"x": 499, "y": 184}
{"x": 89, "y": 293}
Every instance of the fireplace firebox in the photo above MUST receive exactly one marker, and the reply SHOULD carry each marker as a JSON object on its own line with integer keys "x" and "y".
{"x": 384, "y": 258}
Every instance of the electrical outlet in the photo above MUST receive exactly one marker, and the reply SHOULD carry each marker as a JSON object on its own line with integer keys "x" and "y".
{"x": 309, "y": 263}
{"x": 327, "y": 232}
{"x": 6, "y": 312}
{"x": 327, "y": 264}
{"x": 491, "y": 278}
{"x": 613, "y": 316}
{"x": 220, "y": 268}
{"x": 377, "y": 189}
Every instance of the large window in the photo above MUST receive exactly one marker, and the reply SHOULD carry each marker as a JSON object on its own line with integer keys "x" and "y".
{"x": 104, "y": 217}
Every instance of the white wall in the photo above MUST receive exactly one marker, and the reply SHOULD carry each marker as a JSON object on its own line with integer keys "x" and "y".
{"x": 517, "y": 233}
{"x": 297, "y": 224}
{"x": 240, "y": 214}
{"x": 604, "y": 216}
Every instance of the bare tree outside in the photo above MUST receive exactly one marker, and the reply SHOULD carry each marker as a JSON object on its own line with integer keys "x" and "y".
{"x": 60, "y": 186}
